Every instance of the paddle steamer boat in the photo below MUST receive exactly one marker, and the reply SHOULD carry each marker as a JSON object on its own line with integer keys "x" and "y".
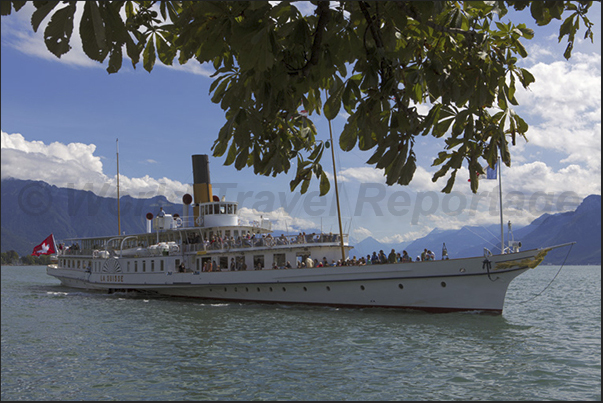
{"x": 212, "y": 254}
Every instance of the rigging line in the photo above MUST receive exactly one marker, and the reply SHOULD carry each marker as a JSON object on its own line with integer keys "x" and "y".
{"x": 489, "y": 232}
{"x": 478, "y": 235}
{"x": 551, "y": 282}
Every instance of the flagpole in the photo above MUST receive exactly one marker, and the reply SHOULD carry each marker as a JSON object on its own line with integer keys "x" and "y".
{"x": 118, "y": 212}
{"x": 502, "y": 233}
{"x": 54, "y": 243}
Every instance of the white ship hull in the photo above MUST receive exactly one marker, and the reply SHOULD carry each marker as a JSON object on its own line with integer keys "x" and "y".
{"x": 435, "y": 286}
{"x": 190, "y": 256}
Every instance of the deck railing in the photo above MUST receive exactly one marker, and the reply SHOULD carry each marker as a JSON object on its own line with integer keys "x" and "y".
{"x": 264, "y": 242}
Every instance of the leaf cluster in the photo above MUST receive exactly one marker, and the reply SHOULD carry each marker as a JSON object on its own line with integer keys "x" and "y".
{"x": 375, "y": 61}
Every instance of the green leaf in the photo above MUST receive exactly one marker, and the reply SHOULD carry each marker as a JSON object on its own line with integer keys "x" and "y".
{"x": 409, "y": 170}
{"x": 242, "y": 158}
{"x": 92, "y": 32}
{"x": 450, "y": 183}
{"x": 148, "y": 57}
{"x": 348, "y": 137}
{"x": 325, "y": 185}
{"x": 165, "y": 52}
{"x": 333, "y": 104}
{"x": 38, "y": 16}
{"x": 58, "y": 31}
{"x": 232, "y": 153}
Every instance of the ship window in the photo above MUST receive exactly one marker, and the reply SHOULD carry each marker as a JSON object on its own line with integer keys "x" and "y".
{"x": 223, "y": 262}
{"x": 152, "y": 265}
{"x": 222, "y": 209}
{"x": 78, "y": 264}
{"x": 216, "y": 209}
{"x": 279, "y": 259}
{"x": 144, "y": 265}
{"x": 258, "y": 262}
{"x": 161, "y": 265}
{"x": 230, "y": 209}
{"x": 128, "y": 267}
{"x": 136, "y": 266}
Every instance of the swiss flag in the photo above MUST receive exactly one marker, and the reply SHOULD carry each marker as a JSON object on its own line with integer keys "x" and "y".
{"x": 47, "y": 247}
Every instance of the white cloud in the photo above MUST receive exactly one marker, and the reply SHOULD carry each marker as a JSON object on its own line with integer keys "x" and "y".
{"x": 74, "y": 165}
{"x": 565, "y": 104}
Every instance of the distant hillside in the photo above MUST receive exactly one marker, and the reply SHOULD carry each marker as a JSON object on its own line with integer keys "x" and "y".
{"x": 31, "y": 210}
{"x": 582, "y": 226}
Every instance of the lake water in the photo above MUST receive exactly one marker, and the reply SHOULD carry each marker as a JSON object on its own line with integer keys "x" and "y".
{"x": 65, "y": 344}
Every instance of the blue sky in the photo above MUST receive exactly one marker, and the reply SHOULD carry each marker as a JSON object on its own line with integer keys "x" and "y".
{"x": 61, "y": 119}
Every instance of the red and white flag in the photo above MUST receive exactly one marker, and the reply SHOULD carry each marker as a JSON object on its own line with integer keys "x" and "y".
{"x": 47, "y": 247}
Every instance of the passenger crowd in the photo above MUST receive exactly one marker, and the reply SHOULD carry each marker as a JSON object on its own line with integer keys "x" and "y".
{"x": 375, "y": 258}
{"x": 253, "y": 240}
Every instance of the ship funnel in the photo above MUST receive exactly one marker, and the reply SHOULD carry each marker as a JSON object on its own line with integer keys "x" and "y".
{"x": 202, "y": 191}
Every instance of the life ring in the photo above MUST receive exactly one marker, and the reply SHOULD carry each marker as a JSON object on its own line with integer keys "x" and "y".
{"x": 178, "y": 221}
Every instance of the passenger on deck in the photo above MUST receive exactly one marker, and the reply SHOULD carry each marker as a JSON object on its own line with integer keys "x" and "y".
{"x": 288, "y": 265}
{"x": 374, "y": 258}
{"x": 382, "y": 257}
{"x": 391, "y": 258}
{"x": 368, "y": 259}
{"x": 424, "y": 255}
{"x": 181, "y": 268}
{"x": 405, "y": 258}
{"x": 161, "y": 212}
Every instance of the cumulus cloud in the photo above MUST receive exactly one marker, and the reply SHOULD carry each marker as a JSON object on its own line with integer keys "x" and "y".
{"x": 564, "y": 105}
{"x": 74, "y": 165}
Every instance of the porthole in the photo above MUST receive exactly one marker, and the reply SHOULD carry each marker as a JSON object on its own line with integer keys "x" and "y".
{"x": 362, "y": 287}
{"x": 328, "y": 288}
{"x": 462, "y": 269}
{"x": 270, "y": 289}
{"x": 235, "y": 289}
{"x": 225, "y": 289}
{"x": 305, "y": 289}
{"x": 400, "y": 286}
{"x": 443, "y": 284}
{"x": 258, "y": 289}
{"x": 284, "y": 289}
{"x": 246, "y": 289}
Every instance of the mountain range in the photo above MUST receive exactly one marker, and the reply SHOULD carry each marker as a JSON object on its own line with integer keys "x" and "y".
{"x": 31, "y": 210}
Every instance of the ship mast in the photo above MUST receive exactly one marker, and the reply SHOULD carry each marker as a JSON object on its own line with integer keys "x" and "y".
{"x": 502, "y": 232}
{"x": 118, "y": 212}
{"x": 337, "y": 196}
